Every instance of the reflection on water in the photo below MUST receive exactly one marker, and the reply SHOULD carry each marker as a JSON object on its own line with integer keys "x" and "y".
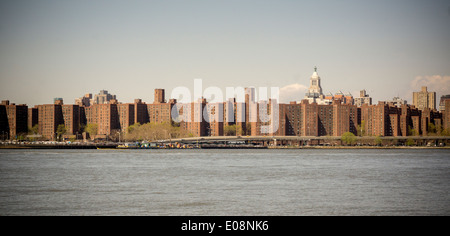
{"x": 224, "y": 182}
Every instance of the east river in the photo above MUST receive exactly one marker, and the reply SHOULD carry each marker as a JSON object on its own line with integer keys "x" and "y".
{"x": 225, "y": 182}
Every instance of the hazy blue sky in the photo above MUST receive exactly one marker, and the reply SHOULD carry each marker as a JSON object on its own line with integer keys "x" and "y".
{"x": 55, "y": 48}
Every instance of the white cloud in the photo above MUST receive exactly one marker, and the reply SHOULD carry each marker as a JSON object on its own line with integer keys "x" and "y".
{"x": 435, "y": 83}
{"x": 292, "y": 92}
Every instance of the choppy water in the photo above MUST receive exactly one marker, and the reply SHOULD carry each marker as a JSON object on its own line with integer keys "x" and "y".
{"x": 224, "y": 182}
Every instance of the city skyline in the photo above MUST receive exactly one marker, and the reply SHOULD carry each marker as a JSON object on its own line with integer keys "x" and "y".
{"x": 65, "y": 49}
{"x": 104, "y": 97}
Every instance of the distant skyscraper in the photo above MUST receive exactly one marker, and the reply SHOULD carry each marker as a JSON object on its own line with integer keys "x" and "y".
{"x": 364, "y": 98}
{"x": 58, "y": 101}
{"x": 159, "y": 96}
{"x": 442, "y": 102}
{"x": 103, "y": 97}
{"x": 397, "y": 102}
{"x": 315, "y": 93}
{"x": 315, "y": 89}
{"x": 84, "y": 101}
{"x": 424, "y": 99}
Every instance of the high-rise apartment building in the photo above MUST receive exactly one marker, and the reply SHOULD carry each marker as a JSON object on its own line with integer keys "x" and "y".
{"x": 50, "y": 117}
{"x": 103, "y": 97}
{"x": 126, "y": 114}
{"x": 291, "y": 119}
{"x": 363, "y": 98}
{"x": 140, "y": 112}
{"x": 71, "y": 117}
{"x": 214, "y": 113}
{"x": 306, "y": 119}
{"x": 160, "y": 111}
{"x": 424, "y": 99}
{"x": 345, "y": 119}
{"x": 84, "y": 101}
{"x": 342, "y": 98}
{"x": 192, "y": 114}
{"x": 159, "y": 96}
{"x": 397, "y": 102}
{"x": 385, "y": 119}
{"x": 446, "y": 115}
{"x": 107, "y": 118}
{"x": 442, "y": 102}
{"x": 33, "y": 117}
{"x": 13, "y": 119}
{"x": 317, "y": 115}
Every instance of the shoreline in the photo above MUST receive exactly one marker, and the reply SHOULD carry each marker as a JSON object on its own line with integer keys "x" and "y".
{"x": 113, "y": 147}
{"x": 360, "y": 147}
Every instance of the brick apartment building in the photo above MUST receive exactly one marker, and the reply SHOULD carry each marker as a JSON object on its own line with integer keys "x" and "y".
{"x": 193, "y": 113}
{"x": 115, "y": 117}
{"x": 250, "y": 118}
{"x": 424, "y": 99}
{"x": 140, "y": 112}
{"x": 126, "y": 115}
{"x": 446, "y": 115}
{"x": 306, "y": 119}
{"x": 50, "y": 116}
{"x": 215, "y": 117}
{"x": 386, "y": 120}
{"x": 71, "y": 117}
{"x": 33, "y": 117}
{"x": 13, "y": 120}
{"x": 106, "y": 117}
{"x": 160, "y": 96}
{"x": 159, "y": 112}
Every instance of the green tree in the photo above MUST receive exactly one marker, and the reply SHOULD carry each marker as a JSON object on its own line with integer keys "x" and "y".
{"x": 248, "y": 129}
{"x": 154, "y": 131}
{"x": 378, "y": 141}
{"x": 412, "y": 132}
{"x": 229, "y": 130}
{"x": 239, "y": 130}
{"x": 410, "y": 142}
{"x": 133, "y": 127}
{"x": 33, "y": 130}
{"x": 348, "y": 138}
{"x": 61, "y": 130}
{"x": 361, "y": 129}
{"x": 439, "y": 129}
{"x": 431, "y": 129}
{"x": 92, "y": 129}
{"x": 82, "y": 128}
{"x": 446, "y": 132}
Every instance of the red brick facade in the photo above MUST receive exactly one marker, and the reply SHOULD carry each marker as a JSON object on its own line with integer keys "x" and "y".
{"x": 294, "y": 119}
{"x": 13, "y": 120}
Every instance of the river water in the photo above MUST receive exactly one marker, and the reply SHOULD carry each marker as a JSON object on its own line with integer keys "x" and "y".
{"x": 225, "y": 182}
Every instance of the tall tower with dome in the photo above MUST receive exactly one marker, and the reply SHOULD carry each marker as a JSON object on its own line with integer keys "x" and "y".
{"x": 315, "y": 89}
{"x": 315, "y": 93}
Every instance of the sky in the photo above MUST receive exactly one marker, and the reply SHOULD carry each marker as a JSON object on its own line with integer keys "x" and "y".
{"x": 54, "y": 48}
